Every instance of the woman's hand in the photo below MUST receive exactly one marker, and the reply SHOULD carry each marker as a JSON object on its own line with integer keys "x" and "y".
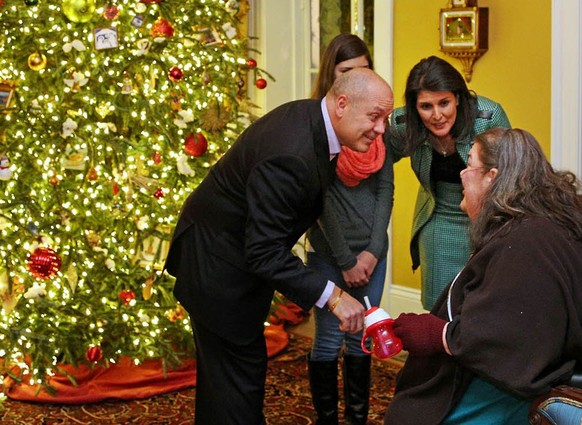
{"x": 360, "y": 274}
{"x": 421, "y": 334}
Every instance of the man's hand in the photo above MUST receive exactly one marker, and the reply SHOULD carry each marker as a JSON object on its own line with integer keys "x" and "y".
{"x": 348, "y": 310}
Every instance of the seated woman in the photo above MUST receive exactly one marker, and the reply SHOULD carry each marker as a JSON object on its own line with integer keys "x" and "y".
{"x": 509, "y": 326}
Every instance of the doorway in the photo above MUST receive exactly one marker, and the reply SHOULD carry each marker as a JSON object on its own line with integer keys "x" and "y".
{"x": 291, "y": 35}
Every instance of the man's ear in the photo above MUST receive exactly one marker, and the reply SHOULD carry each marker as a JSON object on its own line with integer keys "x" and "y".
{"x": 341, "y": 103}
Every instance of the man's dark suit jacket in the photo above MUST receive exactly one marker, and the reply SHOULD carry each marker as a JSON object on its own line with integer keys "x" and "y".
{"x": 232, "y": 246}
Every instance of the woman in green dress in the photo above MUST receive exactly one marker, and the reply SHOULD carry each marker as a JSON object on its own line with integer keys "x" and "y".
{"x": 435, "y": 128}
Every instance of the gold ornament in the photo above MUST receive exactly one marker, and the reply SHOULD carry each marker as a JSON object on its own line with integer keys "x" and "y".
{"x": 181, "y": 312}
{"x": 93, "y": 238}
{"x": 216, "y": 117}
{"x": 79, "y": 10}
{"x": 37, "y": 61}
{"x": 148, "y": 287}
{"x": 178, "y": 313}
{"x": 176, "y": 101}
{"x": 127, "y": 87}
{"x": 92, "y": 174}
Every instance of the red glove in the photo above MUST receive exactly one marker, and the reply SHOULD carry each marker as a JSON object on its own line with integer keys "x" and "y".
{"x": 421, "y": 334}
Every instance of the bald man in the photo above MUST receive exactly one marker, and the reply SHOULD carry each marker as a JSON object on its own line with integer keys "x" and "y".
{"x": 232, "y": 246}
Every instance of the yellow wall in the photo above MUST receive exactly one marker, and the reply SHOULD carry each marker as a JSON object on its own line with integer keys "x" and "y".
{"x": 515, "y": 72}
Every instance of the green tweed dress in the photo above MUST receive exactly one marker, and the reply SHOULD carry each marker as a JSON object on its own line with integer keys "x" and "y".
{"x": 440, "y": 241}
{"x": 444, "y": 240}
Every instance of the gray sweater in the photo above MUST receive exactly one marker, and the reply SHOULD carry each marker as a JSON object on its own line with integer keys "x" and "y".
{"x": 355, "y": 219}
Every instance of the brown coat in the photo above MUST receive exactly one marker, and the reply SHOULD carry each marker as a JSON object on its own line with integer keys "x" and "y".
{"x": 516, "y": 321}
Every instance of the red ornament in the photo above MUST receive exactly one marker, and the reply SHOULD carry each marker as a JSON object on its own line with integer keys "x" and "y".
{"x": 162, "y": 28}
{"x": 115, "y": 188}
{"x": 159, "y": 194}
{"x": 157, "y": 158}
{"x": 54, "y": 180}
{"x": 127, "y": 296}
{"x": 175, "y": 74}
{"x": 195, "y": 145}
{"x": 251, "y": 63}
{"x": 94, "y": 354}
{"x": 261, "y": 83}
{"x": 111, "y": 12}
{"x": 44, "y": 263}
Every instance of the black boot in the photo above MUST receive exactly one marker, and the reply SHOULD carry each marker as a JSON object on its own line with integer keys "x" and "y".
{"x": 357, "y": 389}
{"x": 324, "y": 392}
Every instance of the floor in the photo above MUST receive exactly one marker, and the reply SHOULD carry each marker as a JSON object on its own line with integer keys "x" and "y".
{"x": 305, "y": 328}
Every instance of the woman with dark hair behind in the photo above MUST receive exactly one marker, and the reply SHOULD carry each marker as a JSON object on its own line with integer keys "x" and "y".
{"x": 348, "y": 244}
{"x": 344, "y": 52}
{"x": 435, "y": 128}
{"x": 509, "y": 327}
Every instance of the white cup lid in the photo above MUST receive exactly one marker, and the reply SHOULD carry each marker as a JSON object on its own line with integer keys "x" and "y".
{"x": 374, "y": 315}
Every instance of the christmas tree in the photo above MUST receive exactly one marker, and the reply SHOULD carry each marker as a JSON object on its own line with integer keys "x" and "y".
{"x": 111, "y": 113}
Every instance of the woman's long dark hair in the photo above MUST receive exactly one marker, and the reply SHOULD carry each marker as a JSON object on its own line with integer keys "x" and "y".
{"x": 437, "y": 75}
{"x": 341, "y": 48}
{"x": 526, "y": 185}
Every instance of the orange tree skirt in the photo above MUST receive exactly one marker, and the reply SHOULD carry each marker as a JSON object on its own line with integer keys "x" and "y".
{"x": 127, "y": 381}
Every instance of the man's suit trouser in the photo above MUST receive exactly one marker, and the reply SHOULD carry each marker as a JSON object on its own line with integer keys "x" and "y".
{"x": 230, "y": 379}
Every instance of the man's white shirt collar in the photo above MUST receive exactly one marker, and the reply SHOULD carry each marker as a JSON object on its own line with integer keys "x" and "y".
{"x": 332, "y": 140}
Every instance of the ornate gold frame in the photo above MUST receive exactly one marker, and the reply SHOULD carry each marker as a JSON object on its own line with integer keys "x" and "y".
{"x": 464, "y": 35}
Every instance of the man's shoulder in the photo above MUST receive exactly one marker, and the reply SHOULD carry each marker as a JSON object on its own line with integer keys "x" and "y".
{"x": 299, "y": 105}
{"x": 295, "y": 114}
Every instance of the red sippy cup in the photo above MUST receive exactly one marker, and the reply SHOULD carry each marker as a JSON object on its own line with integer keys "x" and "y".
{"x": 378, "y": 326}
